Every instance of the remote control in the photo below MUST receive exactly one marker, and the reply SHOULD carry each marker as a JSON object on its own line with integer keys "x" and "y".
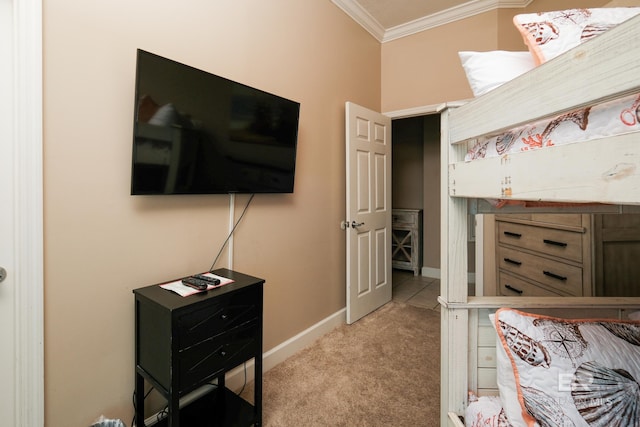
{"x": 198, "y": 284}
{"x": 211, "y": 280}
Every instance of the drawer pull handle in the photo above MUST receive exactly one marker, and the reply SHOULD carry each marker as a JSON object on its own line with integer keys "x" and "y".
{"x": 553, "y": 242}
{"x": 512, "y": 261}
{"x": 224, "y": 316}
{"x": 511, "y": 288}
{"x": 555, "y": 276}
{"x": 512, "y": 234}
{"x": 223, "y": 353}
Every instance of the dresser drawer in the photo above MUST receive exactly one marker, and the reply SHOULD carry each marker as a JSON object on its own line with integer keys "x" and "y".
{"x": 209, "y": 358}
{"x": 511, "y": 286}
{"x": 573, "y": 220}
{"x": 557, "y": 243}
{"x": 406, "y": 218}
{"x": 209, "y": 321}
{"x": 562, "y": 277}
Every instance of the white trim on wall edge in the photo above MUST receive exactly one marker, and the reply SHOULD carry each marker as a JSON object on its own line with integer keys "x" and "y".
{"x": 235, "y": 379}
{"x": 29, "y": 264}
{"x": 424, "y": 110}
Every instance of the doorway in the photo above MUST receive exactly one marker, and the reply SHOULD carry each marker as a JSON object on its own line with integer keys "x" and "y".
{"x": 415, "y": 180}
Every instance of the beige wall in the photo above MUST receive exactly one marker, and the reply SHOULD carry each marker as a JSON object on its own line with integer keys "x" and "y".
{"x": 100, "y": 242}
{"x": 424, "y": 69}
{"x": 431, "y": 162}
{"x": 406, "y": 166}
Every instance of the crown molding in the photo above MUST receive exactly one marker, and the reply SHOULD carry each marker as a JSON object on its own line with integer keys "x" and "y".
{"x": 466, "y": 10}
{"x": 362, "y": 17}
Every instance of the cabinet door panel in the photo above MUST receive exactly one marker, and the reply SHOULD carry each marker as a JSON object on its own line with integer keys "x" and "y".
{"x": 617, "y": 251}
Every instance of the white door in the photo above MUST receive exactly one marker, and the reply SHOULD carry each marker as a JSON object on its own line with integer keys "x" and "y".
{"x": 21, "y": 238}
{"x": 368, "y": 220}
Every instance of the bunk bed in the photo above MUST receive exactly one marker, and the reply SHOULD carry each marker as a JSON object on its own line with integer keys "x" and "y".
{"x": 603, "y": 173}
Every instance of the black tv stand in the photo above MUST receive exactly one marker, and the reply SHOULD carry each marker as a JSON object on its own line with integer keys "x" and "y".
{"x": 183, "y": 343}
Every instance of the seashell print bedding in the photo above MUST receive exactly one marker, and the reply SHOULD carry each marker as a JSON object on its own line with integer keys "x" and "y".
{"x": 608, "y": 119}
{"x": 568, "y": 372}
{"x": 549, "y": 34}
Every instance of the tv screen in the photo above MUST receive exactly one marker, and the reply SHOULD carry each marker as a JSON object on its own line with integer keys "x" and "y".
{"x": 198, "y": 133}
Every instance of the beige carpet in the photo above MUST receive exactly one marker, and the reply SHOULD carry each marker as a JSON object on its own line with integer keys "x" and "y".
{"x": 383, "y": 370}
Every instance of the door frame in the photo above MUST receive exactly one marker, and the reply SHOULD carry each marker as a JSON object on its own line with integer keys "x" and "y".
{"x": 28, "y": 277}
{"x": 425, "y": 110}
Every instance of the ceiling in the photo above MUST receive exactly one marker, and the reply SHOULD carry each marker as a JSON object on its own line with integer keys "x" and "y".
{"x": 391, "y": 19}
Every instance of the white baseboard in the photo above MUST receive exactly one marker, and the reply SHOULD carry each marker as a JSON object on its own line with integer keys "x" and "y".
{"x": 236, "y": 378}
{"x": 435, "y": 274}
{"x": 430, "y": 272}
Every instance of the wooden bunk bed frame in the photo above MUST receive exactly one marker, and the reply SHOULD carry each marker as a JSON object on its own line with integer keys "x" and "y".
{"x": 604, "y": 171}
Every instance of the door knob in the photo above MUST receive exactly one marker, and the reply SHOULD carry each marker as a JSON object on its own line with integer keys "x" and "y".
{"x": 356, "y": 224}
{"x": 3, "y": 274}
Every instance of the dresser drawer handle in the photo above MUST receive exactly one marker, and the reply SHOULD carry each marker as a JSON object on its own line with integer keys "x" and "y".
{"x": 555, "y": 276}
{"x": 512, "y": 234}
{"x": 511, "y": 288}
{"x": 553, "y": 242}
{"x": 512, "y": 261}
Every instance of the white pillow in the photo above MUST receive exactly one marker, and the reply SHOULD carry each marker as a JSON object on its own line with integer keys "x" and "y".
{"x": 576, "y": 372}
{"x": 488, "y": 70}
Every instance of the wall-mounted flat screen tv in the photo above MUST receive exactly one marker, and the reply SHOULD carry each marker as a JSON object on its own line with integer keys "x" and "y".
{"x": 198, "y": 133}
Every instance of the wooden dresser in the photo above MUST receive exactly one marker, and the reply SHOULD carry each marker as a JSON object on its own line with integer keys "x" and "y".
{"x": 544, "y": 255}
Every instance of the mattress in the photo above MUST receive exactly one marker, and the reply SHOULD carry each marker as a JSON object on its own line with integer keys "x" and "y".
{"x": 608, "y": 119}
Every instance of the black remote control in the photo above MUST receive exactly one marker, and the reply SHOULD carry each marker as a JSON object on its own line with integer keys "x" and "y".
{"x": 211, "y": 280}
{"x": 198, "y": 284}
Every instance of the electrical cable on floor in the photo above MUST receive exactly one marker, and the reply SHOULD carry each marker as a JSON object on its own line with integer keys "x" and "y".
{"x": 162, "y": 414}
{"x": 231, "y": 232}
